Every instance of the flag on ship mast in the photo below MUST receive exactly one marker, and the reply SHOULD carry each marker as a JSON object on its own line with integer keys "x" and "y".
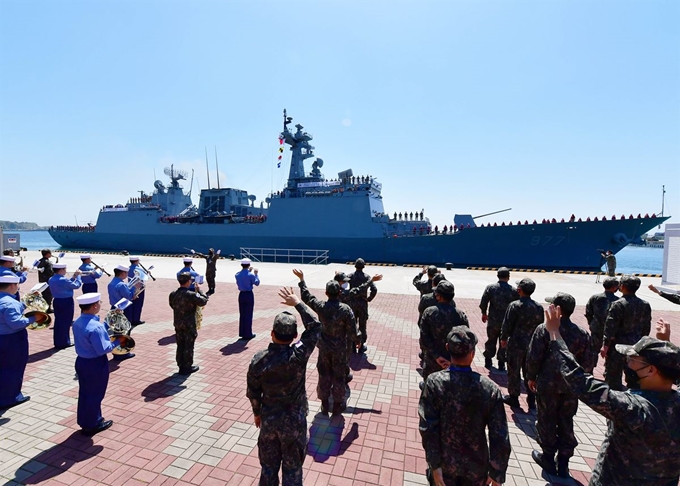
{"x": 278, "y": 164}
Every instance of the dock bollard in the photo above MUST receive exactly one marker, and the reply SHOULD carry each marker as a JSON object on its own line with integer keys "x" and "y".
{"x": 449, "y": 266}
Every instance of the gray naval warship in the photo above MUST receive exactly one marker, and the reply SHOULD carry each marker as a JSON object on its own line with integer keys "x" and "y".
{"x": 318, "y": 220}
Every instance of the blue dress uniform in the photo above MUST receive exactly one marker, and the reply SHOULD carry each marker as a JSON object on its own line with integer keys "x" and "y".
{"x": 245, "y": 280}
{"x": 193, "y": 273}
{"x": 13, "y": 350}
{"x": 62, "y": 291}
{"x": 118, "y": 289}
{"x": 90, "y": 280}
{"x": 8, "y": 272}
{"x": 135, "y": 313}
{"x": 92, "y": 345}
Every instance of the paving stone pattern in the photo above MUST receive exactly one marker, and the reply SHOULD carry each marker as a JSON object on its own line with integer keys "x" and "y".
{"x": 170, "y": 429}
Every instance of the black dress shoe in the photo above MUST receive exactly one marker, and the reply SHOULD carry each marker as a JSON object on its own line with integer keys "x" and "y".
{"x": 501, "y": 365}
{"x": 102, "y": 426}
{"x": 23, "y": 399}
{"x": 138, "y": 323}
{"x": 510, "y": 400}
{"x": 247, "y": 338}
{"x": 123, "y": 357}
{"x": 487, "y": 363}
{"x": 188, "y": 371}
{"x": 349, "y": 377}
{"x": 324, "y": 407}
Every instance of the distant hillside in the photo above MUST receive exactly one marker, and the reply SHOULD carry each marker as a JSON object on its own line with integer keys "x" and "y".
{"x": 14, "y": 226}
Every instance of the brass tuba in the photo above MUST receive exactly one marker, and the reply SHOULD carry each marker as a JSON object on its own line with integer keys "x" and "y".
{"x": 120, "y": 327}
{"x": 35, "y": 305}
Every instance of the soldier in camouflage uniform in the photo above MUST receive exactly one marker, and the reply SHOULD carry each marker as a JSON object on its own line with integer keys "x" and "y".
{"x": 628, "y": 319}
{"x": 456, "y": 408}
{"x": 642, "y": 443}
{"x": 429, "y": 299}
{"x": 425, "y": 286}
{"x": 596, "y": 314}
{"x": 210, "y": 268}
{"x": 521, "y": 320}
{"x": 556, "y": 405}
{"x": 359, "y": 302}
{"x": 496, "y": 298}
{"x": 184, "y": 302}
{"x": 675, "y": 298}
{"x": 338, "y": 325}
{"x": 610, "y": 259}
{"x": 276, "y": 389}
{"x": 436, "y": 324}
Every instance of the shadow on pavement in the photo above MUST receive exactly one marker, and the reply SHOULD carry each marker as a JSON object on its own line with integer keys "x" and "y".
{"x": 42, "y": 355}
{"x": 235, "y": 347}
{"x": 325, "y": 437}
{"x": 57, "y": 459}
{"x": 167, "y": 387}
{"x": 164, "y": 341}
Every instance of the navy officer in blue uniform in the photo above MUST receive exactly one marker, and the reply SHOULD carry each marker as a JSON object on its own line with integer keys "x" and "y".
{"x": 62, "y": 290}
{"x": 118, "y": 288}
{"x": 7, "y": 267}
{"x": 13, "y": 343}
{"x": 135, "y": 316}
{"x": 92, "y": 365}
{"x": 246, "y": 279}
{"x": 89, "y": 274}
{"x": 189, "y": 268}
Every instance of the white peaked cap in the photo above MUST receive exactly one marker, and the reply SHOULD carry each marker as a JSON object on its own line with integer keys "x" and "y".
{"x": 7, "y": 258}
{"x": 188, "y": 260}
{"x": 246, "y": 261}
{"x": 85, "y": 255}
{"x": 90, "y": 298}
{"x": 134, "y": 258}
{"x": 59, "y": 265}
{"x": 9, "y": 279}
{"x": 123, "y": 268}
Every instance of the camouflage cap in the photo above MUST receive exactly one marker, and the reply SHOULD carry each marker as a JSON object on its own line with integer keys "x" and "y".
{"x": 445, "y": 289}
{"x": 527, "y": 285}
{"x": 610, "y": 282}
{"x": 184, "y": 277}
{"x": 503, "y": 272}
{"x": 566, "y": 302}
{"x": 654, "y": 351}
{"x": 285, "y": 325}
{"x": 630, "y": 282}
{"x": 461, "y": 340}
{"x": 432, "y": 271}
{"x": 333, "y": 288}
{"x": 360, "y": 263}
{"x": 341, "y": 277}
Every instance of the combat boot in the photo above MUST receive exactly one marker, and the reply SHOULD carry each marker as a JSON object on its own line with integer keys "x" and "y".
{"x": 501, "y": 365}
{"x": 544, "y": 460}
{"x": 531, "y": 401}
{"x": 325, "y": 406}
{"x": 511, "y": 400}
{"x": 487, "y": 363}
{"x": 563, "y": 466}
{"x": 338, "y": 408}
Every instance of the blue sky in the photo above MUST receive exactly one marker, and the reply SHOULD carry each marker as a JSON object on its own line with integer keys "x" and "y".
{"x": 547, "y": 107}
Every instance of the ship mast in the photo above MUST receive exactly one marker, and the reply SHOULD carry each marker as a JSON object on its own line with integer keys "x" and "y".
{"x": 300, "y": 148}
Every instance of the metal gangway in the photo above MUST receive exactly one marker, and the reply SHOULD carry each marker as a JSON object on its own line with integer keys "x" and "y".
{"x": 286, "y": 255}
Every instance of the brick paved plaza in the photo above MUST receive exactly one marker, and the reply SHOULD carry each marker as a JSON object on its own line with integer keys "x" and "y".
{"x": 199, "y": 429}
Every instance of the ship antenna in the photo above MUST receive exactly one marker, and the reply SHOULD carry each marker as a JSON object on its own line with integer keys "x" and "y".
{"x": 217, "y": 168}
{"x": 206, "y": 166}
{"x": 192, "y": 182}
{"x": 663, "y": 198}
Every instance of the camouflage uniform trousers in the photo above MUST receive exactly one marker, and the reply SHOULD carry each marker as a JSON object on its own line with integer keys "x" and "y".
{"x": 555, "y": 423}
{"x": 516, "y": 355}
{"x": 595, "y": 345}
{"x": 493, "y": 333}
{"x": 456, "y": 481}
{"x": 360, "y": 309}
{"x": 283, "y": 445}
{"x": 210, "y": 278}
{"x": 615, "y": 364}
{"x": 332, "y": 366}
{"x": 185, "y": 335}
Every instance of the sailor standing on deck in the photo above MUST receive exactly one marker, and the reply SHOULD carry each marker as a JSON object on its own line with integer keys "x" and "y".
{"x": 245, "y": 280}
{"x": 137, "y": 304}
{"x": 92, "y": 366}
{"x": 62, "y": 289}
{"x": 13, "y": 343}
{"x": 89, "y": 273}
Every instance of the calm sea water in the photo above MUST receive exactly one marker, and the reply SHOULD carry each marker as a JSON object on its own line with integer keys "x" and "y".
{"x": 632, "y": 259}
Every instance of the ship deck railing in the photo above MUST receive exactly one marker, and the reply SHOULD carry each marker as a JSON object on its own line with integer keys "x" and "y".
{"x": 286, "y": 255}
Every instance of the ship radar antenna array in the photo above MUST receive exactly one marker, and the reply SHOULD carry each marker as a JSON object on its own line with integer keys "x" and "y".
{"x": 175, "y": 175}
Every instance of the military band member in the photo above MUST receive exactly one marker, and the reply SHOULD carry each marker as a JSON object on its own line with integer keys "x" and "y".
{"x": 359, "y": 302}
{"x": 596, "y": 314}
{"x": 675, "y": 298}
{"x": 8, "y": 267}
{"x": 189, "y": 268}
{"x": 556, "y": 405}
{"x": 521, "y": 320}
{"x": 92, "y": 367}
{"x": 276, "y": 389}
{"x": 137, "y": 304}
{"x": 62, "y": 289}
{"x": 210, "y": 268}
{"x": 118, "y": 288}
{"x": 425, "y": 286}
{"x": 456, "y": 409}
{"x": 628, "y": 319}
{"x": 338, "y": 325}
{"x": 13, "y": 343}
{"x": 89, "y": 274}
{"x": 641, "y": 445}
{"x": 184, "y": 302}
{"x": 246, "y": 279}
{"x": 496, "y": 298}
{"x": 45, "y": 272}
{"x": 435, "y": 326}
